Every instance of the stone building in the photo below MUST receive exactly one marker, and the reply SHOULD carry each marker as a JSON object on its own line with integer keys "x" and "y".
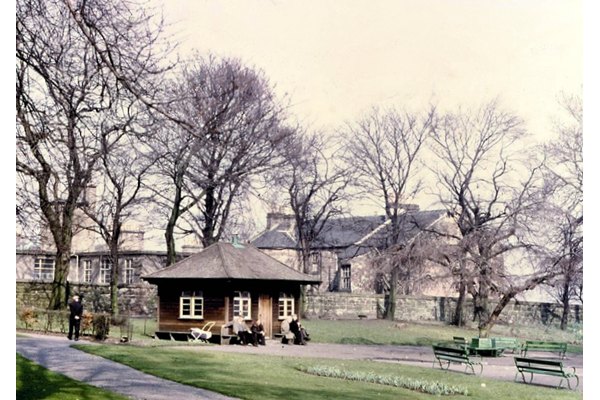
{"x": 344, "y": 256}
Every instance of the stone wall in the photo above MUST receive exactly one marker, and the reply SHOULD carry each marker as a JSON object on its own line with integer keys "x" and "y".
{"x": 136, "y": 300}
{"x": 141, "y": 300}
{"x": 429, "y": 308}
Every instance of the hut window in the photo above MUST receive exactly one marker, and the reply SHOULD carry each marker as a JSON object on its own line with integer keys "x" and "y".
{"x": 286, "y": 305}
{"x": 241, "y": 304}
{"x": 191, "y": 305}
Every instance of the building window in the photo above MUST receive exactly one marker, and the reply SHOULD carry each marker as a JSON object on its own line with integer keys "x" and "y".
{"x": 241, "y": 305}
{"x": 105, "y": 271}
{"x": 43, "y": 268}
{"x": 315, "y": 262}
{"x": 191, "y": 305}
{"x": 345, "y": 278}
{"x": 87, "y": 271}
{"x": 286, "y": 305}
{"x": 128, "y": 271}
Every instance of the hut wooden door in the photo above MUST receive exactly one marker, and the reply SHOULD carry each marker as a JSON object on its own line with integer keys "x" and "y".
{"x": 265, "y": 313}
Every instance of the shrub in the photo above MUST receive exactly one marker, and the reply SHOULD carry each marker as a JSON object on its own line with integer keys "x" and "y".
{"x": 101, "y": 324}
{"x": 86, "y": 321}
{"x": 29, "y": 316}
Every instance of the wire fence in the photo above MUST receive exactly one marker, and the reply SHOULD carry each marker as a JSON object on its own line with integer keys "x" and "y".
{"x": 97, "y": 325}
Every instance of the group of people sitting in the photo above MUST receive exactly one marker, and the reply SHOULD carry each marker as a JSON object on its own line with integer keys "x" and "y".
{"x": 291, "y": 329}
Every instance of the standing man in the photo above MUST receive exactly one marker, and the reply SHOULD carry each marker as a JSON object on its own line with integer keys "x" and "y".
{"x": 76, "y": 309}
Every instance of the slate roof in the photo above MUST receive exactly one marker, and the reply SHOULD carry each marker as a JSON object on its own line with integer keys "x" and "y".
{"x": 353, "y": 236}
{"x": 228, "y": 261}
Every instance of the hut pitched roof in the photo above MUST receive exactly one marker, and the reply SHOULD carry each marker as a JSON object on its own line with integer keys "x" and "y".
{"x": 231, "y": 261}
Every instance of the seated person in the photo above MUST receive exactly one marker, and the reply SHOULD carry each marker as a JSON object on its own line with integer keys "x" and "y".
{"x": 288, "y": 335}
{"x": 239, "y": 327}
{"x": 258, "y": 333}
{"x": 298, "y": 333}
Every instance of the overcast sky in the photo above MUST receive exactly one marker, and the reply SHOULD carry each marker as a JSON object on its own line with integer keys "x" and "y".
{"x": 335, "y": 59}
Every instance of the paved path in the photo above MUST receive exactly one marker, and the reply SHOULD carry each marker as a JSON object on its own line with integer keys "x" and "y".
{"x": 55, "y": 354}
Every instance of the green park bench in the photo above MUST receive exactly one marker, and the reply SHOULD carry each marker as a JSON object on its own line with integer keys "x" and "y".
{"x": 484, "y": 347}
{"x": 554, "y": 347}
{"x": 544, "y": 367}
{"x": 460, "y": 341}
{"x": 449, "y": 355}
{"x": 506, "y": 343}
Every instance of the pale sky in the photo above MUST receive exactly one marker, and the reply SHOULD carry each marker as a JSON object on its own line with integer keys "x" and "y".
{"x": 335, "y": 59}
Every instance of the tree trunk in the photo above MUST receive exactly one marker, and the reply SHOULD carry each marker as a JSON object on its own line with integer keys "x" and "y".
{"x": 564, "y": 320}
{"x": 59, "y": 295}
{"x": 459, "y": 313}
{"x": 170, "y": 228}
{"x": 114, "y": 282}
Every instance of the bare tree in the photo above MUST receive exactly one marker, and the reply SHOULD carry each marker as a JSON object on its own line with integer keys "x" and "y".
{"x": 384, "y": 147}
{"x": 315, "y": 187}
{"x": 491, "y": 192}
{"x": 123, "y": 167}
{"x": 564, "y": 178}
{"x": 73, "y": 66}
{"x": 237, "y": 126}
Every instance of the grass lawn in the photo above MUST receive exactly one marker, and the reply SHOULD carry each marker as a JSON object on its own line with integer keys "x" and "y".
{"x": 36, "y": 382}
{"x": 260, "y": 377}
{"x": 248, "y": 376}
{"x": 383, "y": 332}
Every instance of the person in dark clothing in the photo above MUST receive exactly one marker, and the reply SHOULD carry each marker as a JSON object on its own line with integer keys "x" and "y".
{"x": 76, "y": 309}
{"x": 295, "y": 328}
{"x": 258, "y": 333}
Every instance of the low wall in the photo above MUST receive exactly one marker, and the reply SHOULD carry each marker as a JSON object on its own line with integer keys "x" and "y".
{"x": 428, "y": 308}
{"x": 137, "y": 300}
{"x": 140, "y": 300}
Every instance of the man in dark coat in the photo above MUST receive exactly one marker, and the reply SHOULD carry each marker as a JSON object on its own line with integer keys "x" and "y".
{"x": 258, "y": 333}
{"x": 295, "y": 328}
{"x": 76, "y": 309}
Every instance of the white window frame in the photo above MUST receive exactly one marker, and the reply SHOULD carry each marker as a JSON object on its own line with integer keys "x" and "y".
{"x": 43, "y": 268}
{"x": 191, "y": 305}
{"x": 105, "y": 270}
{"x": 128, "y": 272}
{"x": 346, "y": 277}
{"x": 242, "y": 305}
{"x": 87, "y": 271}
{"x": 287, "y": 305}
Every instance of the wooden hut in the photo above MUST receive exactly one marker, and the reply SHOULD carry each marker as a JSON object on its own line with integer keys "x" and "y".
{"x": 223, "y": 281}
